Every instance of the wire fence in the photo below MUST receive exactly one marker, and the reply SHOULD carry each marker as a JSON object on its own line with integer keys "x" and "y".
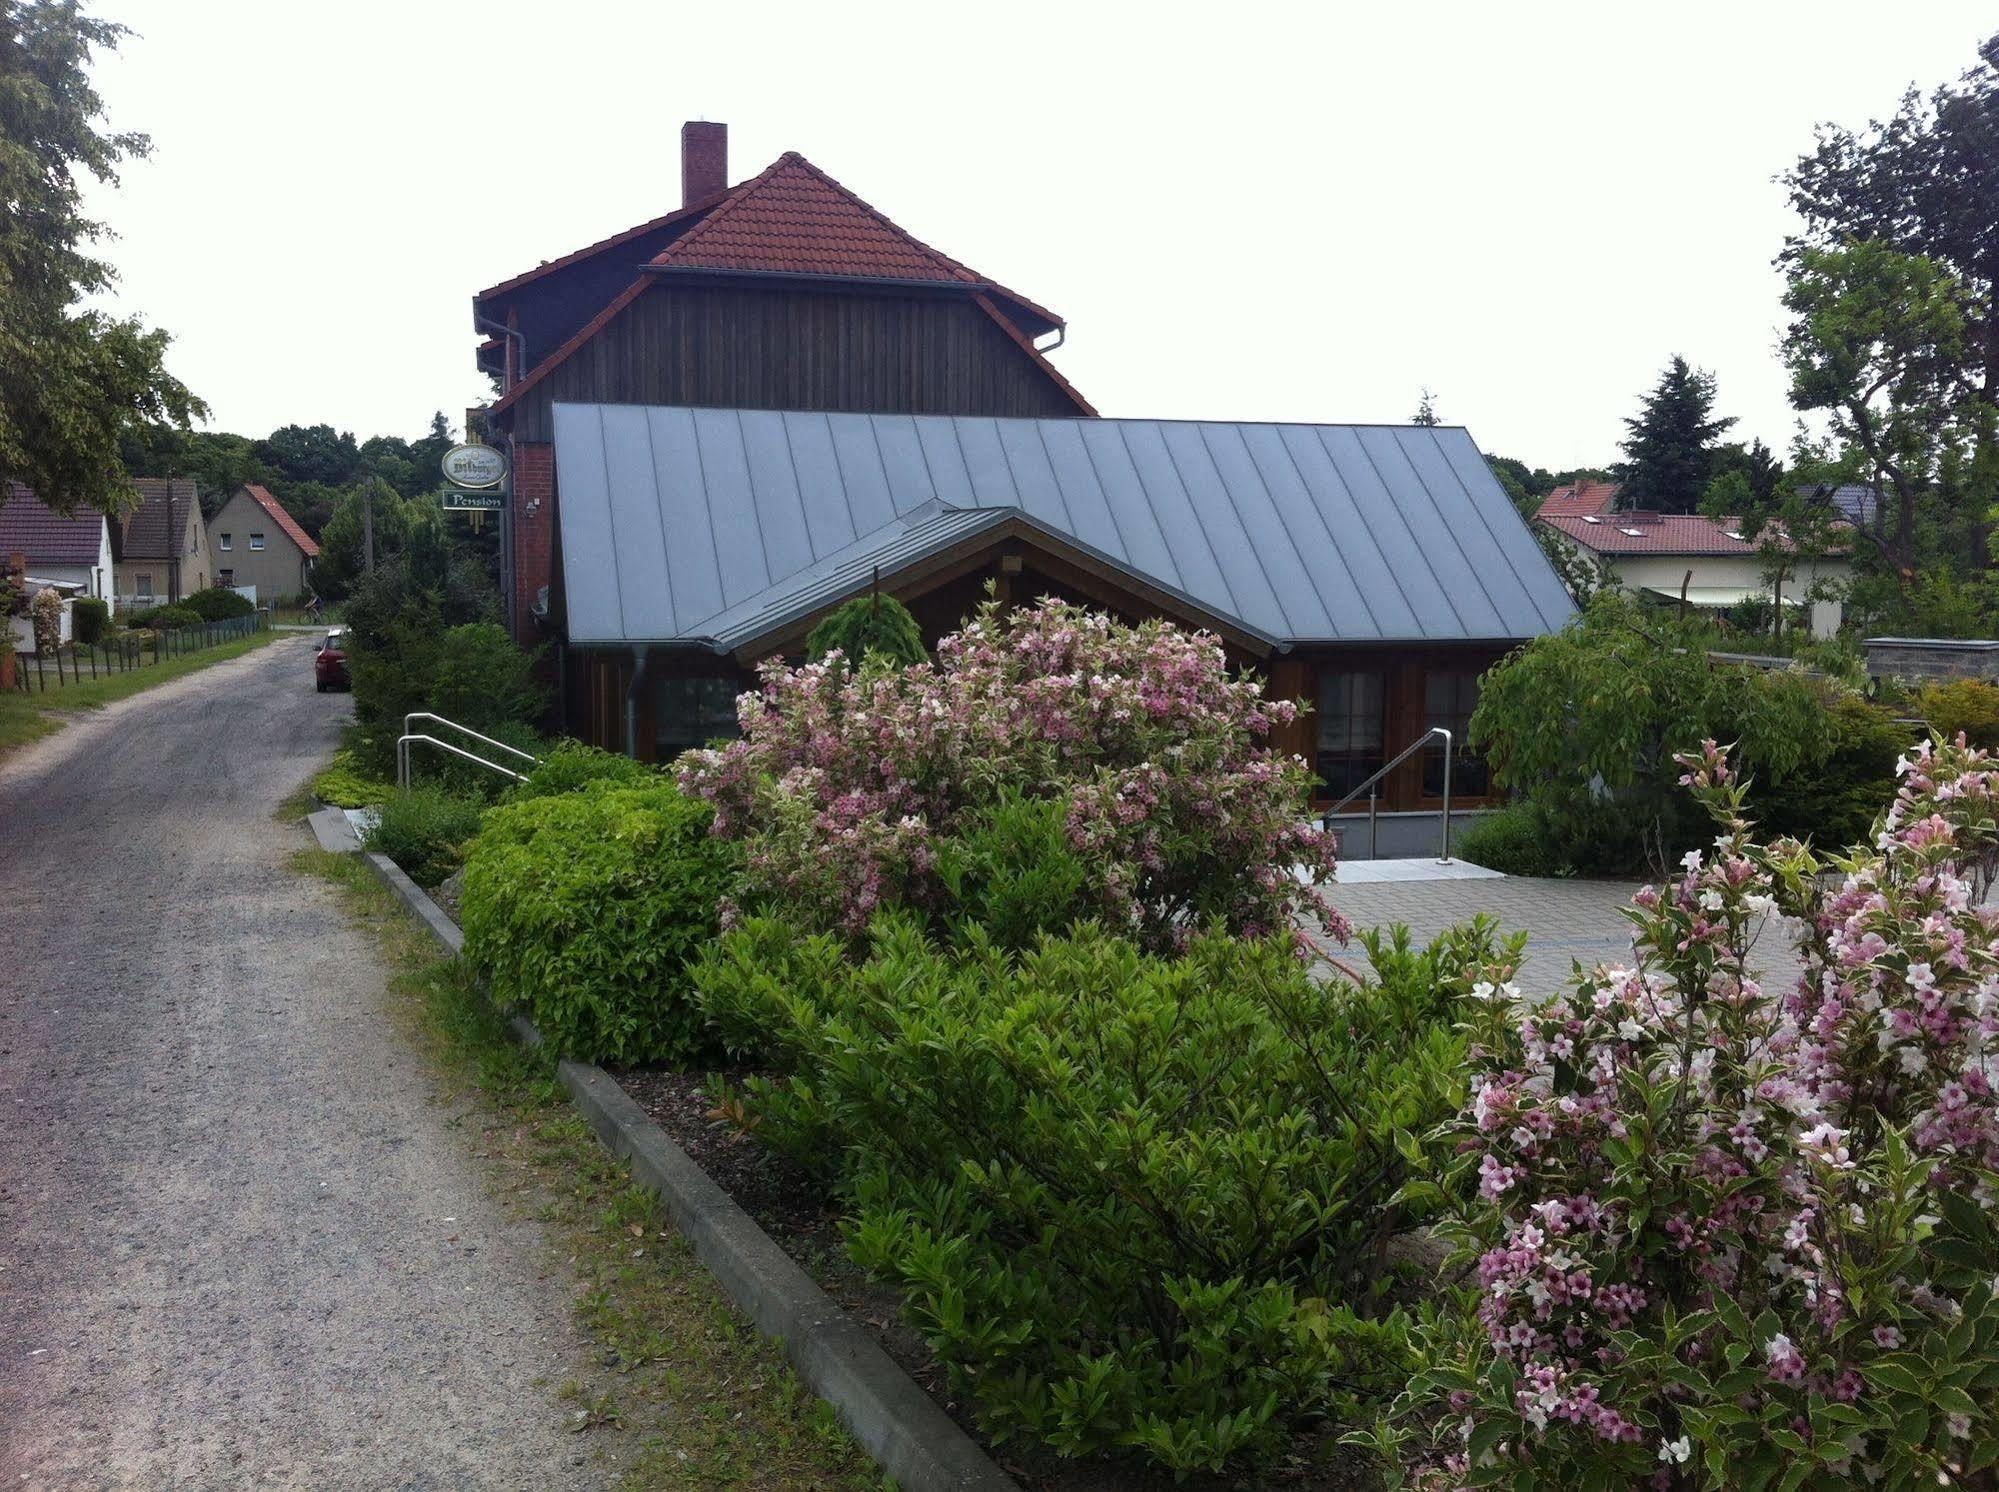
{"x": 79, "y": 663}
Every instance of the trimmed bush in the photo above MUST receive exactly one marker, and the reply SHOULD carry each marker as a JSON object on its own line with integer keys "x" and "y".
{"x": 1133, "y": 1202}
{"x": 1513, "y": 841}
{"x": 424, "y": 831}
{"x": 162, "y": 618}
{"x": 583, "y": 909}
{"x": 218, "y": 604}
{"x": 570, "y": 765}
{"x": 88, "y": 617}
{"x": 1969, "y": 706}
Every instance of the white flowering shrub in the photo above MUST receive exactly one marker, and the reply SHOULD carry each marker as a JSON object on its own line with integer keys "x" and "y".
{"x": 1730, "y": 1236}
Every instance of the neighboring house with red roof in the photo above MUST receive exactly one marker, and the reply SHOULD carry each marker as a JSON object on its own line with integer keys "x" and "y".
{"x": 1710, "y": 562}
{"x": 72, "y": 549}
{"x": 257, "y": 544}
{"x": 785, "y": 291}
{"x": 161, "y": 547}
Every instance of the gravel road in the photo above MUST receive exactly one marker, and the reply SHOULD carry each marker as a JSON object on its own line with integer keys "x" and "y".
{"x": 241, "y": 1242}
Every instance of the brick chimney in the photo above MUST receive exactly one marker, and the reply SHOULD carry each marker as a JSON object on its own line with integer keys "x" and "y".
{"x": 704, "y": 160}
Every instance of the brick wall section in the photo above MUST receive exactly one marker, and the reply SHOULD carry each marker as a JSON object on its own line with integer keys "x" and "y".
{"x": 534, "y": 530}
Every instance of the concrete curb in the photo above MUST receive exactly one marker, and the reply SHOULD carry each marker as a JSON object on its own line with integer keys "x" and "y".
{"x": 912, "y": 1440}
{"x": 331, "y": 828}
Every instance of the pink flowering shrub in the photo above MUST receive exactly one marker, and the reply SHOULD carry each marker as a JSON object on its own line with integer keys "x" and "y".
{"x": 848, "y": 788}
{"x": 1730, "y": 1236}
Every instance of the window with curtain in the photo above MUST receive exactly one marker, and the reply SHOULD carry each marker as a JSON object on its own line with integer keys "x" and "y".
{"x": 1351, "y": 727}
{"x": 690, "y": 711}
{"x": 1449, "y": 697}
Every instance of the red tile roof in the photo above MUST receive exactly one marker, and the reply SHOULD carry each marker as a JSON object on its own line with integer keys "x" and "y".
{"x": 31, "y": 528}
{"x": 1577, "y": 499}
{"x": 794, "y": 219}
{"x": 284, "y": 520}
{"x": 1653, "y": 533}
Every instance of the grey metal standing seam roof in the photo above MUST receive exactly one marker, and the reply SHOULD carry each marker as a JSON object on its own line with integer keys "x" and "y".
{"x": 715, "y": 526}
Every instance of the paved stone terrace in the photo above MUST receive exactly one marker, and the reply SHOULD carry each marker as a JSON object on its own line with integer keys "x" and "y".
{"x": 1566, "y": 921}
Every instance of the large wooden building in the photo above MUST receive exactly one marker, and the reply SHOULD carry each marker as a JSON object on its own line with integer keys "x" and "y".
{"x": 727, "y": 420}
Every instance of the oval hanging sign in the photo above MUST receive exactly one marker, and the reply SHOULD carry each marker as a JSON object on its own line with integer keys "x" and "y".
{"x": 474, "y": 466}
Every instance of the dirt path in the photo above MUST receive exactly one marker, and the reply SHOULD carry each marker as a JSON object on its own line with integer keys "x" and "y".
{"x": 240, "y": 1243}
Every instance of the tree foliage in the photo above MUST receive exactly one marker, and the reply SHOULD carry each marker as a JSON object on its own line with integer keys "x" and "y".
{"x": 870, "y": 626}
{"x": 1669, "y": 455}
{"x": 1585, "y": 724}
{"x": 73, "y": 381}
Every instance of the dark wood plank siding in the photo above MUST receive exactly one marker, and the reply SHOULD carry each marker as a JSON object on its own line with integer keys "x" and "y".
{"x": 727, "y": 346}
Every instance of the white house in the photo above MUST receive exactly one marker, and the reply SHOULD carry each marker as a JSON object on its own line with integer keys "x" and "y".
{"x": 71, "y": 552}
{"x": 1710, "y": 562}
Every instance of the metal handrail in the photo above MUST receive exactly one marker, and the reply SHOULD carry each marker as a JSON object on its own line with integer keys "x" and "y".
{"x": 1372, "y": 788}
{"x": 403, "y": 744}
{"x": 466, "y": 730}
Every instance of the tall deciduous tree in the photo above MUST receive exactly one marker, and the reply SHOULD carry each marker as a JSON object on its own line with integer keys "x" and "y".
{"x": 1669, "y": 456}
{"x": 1924, "y": 182}
{"x": 1880, "y": 347}
{"x": 72, "y": 380}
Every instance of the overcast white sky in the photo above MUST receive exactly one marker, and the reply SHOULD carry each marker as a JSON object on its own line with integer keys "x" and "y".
{"x": 1244, "y": 211}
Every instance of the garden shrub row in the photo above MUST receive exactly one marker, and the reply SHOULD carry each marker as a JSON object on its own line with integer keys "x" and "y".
{"x": 1135, "y": 1201}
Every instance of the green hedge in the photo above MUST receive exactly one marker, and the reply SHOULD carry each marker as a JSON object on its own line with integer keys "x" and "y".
{"x": 218, "y": 604}
{"x": 1133, "y": 1202}
{"x": 88, "y": 618}
{"x": 570, "y": 765}
{"x": 425, "y": 831}
{"x": 584, "y": 907}
{"x": 160, "y": 618}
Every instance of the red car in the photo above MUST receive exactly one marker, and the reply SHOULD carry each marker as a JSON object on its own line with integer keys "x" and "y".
{"x": 329, "y": 664}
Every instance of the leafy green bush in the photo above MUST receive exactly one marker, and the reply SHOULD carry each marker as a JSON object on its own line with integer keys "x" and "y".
{"x": 425, "y": 831}
{"x": 1512, "y": 840}
{"x": 88, "y": 617}
{"x": 1013, "y": 872}
{"x": 874, "y": 626}
{"x": 218, "y": 604}
{"x": 1970, "y": 706}
{"x": 345, "y": 784}
{"x": 570, "y": 765}
{"x": 160, "y": 618}
{"x": 1837, "y": 800}
{"x": 584, "y": 907}
{"x": 1133, "y": 1201}
{"x": 471, "y": 673}
{"x": 1584, "y": 724}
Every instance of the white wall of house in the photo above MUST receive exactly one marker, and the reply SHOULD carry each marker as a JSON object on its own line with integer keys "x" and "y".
{"x": 1666, "y": 572}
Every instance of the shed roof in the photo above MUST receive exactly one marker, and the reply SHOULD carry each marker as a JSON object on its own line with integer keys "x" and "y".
{"x": 691, "y": 524}
{"x": 1662, "y": 533}
{"x": 31, "y": 528}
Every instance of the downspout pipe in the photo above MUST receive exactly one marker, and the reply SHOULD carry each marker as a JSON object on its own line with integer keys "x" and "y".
{"x": 632, "y": 702}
